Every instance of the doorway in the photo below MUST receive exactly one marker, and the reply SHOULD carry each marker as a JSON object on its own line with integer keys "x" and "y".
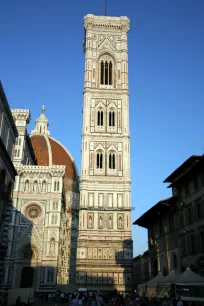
{"x": 27, "y": 277}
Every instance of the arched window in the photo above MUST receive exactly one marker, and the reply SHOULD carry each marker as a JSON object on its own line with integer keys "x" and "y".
{"x": 100, "y": 118}
{"x": 110, "y": 73}
{"x": 55, "y": 186}
{"x": 106, "y": 71}
{"x": 99, "y": 160}
{"x": 102, "y": 72}
{"x": 111, "y": 118}
{"x": 174, "y": 261}
{"x": 111, "y": 161}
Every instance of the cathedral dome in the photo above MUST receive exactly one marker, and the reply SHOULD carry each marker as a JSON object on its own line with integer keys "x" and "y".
{"x": 50, "y": 152}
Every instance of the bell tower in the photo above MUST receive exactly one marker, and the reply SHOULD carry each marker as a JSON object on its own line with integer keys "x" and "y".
{"x": 104, "y": 251}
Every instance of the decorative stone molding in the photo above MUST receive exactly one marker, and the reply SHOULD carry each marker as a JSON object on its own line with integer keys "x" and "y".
{"x": 106, "y": 23}
{"x": 21, "y": 115}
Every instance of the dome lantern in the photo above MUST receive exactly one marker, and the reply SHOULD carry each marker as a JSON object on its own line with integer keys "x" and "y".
{"x": 41, "y": 124}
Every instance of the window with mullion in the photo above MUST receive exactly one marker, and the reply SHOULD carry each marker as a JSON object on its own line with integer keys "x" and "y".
{"x": 99, "y": 161}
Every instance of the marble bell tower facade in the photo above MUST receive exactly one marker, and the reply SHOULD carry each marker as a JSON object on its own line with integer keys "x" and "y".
{"x": 104, "y": 251}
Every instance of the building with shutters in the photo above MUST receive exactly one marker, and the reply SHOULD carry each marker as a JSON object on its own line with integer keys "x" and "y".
{"x": 176, "y": 225}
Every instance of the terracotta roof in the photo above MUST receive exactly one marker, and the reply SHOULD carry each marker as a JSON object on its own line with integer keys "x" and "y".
{"x": 41, "y": 150}
{"x": 50, "y": 152}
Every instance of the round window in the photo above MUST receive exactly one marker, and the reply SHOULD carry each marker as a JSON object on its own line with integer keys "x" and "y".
{"x": 33, "y": 211}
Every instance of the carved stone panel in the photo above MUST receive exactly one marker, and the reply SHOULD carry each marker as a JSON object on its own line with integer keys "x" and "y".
{"x": 120, "y": 221}
{"x": 90, "y": 220}
{"x": 90, "y": 254}
{"x": 110, "y": 221}
{"x": 100, "y": 221}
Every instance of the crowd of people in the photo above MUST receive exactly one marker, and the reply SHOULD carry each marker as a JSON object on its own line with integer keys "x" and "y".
{"x": 91, "y": 299}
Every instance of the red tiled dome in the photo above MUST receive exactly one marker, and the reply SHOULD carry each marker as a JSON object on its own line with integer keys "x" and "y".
{"x": 50, "y": 152}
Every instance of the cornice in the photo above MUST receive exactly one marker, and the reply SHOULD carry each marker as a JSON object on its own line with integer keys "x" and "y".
{"x": 106, "y": 23}
{"x": 41, "y": 170}
{"x": 21, "y": 114}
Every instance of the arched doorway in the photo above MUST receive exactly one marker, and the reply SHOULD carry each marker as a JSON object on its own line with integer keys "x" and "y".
{"x": 27, "y": 277}
{"x": 29, "y": 255}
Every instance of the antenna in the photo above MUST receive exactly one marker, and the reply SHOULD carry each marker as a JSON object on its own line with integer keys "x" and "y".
{"x": 105, "y": 7}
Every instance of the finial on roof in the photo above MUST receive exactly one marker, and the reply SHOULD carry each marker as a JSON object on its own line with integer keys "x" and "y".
{"x": 43, "y": 108}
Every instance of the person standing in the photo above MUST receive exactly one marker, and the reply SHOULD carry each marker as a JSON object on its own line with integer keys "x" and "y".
{"x": 74, "y": 301}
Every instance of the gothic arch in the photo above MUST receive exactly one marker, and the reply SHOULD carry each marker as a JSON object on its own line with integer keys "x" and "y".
{"x": 100, "y": 116}
{"x": 29, "y": 251}
{"x": 112, "y": 117}
{"x": 112, "y": 159}
{"x": 106, "y": 65}
{"x": 107, "y": 52}
{"x": 100, "y": 159}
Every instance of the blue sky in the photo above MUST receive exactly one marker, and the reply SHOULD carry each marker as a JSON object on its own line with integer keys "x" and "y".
{"x": 42, "y": 62}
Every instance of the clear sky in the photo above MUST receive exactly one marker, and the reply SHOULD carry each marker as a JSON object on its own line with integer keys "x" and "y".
{"x": 42, "y": 62}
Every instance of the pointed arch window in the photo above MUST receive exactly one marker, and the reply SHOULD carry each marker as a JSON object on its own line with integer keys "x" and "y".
{"x": 99, "y": 160}
{"x": 106, "y": 72}
{"x": 100, "y": 118}
{"x": 112, "y": 161}
{"x": 110, "y": 73}
{"x": 102, "y": 72}
{"x": 111, "y": 118}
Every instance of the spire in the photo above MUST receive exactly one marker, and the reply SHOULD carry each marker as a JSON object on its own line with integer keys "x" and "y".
{"x": 41, "y": 124}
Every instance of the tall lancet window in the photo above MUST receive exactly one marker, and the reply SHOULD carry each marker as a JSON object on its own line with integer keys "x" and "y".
{"x": 102, "y": 72}
{"x": 106, "y": 67}
{"x": 111, "y": 161}
{"x": 100, "y": 118}
{"x": 99, "y": 160}
{"x": 110, "y": 73}
{"x": 111, "y": 118}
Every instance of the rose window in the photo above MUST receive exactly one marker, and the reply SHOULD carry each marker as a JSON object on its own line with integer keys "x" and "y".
{"x": 33, "y": 211}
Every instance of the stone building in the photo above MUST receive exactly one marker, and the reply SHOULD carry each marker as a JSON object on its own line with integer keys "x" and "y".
{"x": 8, "y": 134}
{"x": 104, "y": 251}
{"x": 176, "y": 225}
{"x": 140, "y": 269}
{"x": 46, "y": 191}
